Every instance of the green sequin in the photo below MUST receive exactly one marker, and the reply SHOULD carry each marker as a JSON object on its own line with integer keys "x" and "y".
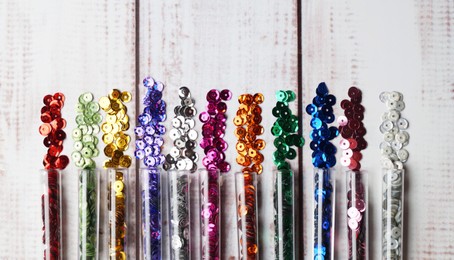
{"x": 284, "y": 130}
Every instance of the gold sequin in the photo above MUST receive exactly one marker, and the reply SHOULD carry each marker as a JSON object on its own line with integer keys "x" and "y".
{"x": 126, "y": 96}
{"x": 117, "y": 121}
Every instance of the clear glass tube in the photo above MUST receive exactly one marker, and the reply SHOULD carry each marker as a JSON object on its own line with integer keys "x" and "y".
{"x": 117, "y": 212}
{"x": 284, "y": 218}
{"x": 51, "y": 214}
{"x": 210, "y": 206}
{"x": 151, "y": 213}
{"x": 357, "y": 213}
{"x": 88, "y": 214}
{"x": 324, "y": 195}
{"x": 392, "y": 213}
{"x": 246, "y": 194}
{"x": 179, "y": 217}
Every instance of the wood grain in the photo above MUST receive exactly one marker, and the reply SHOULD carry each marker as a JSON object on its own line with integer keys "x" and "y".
{"x": 46, "y": 47}
{"x": 249, "y": 47}
{"x": 239, "y": 45}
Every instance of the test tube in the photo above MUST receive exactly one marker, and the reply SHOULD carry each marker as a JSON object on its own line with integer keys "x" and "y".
{"x": 151, "y": 213}
{"x": 179, "y": 214}
{"x": 51, "y": 214}
{"x": 284, "y": 218}
{"x": 246, "y": 194}
{"x": 210, "y": 205}
{"x": 357, "y": 209}
{"x": 117, "y": 212}
{"x": 324, "y": 194}
{"x": 88, "y": 214}
{"x": 392, "y": 213}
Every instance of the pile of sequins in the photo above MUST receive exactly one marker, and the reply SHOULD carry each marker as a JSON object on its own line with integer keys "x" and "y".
{"x": 179, "y": 214}
{"x": 117, "y": 142}
{"x": 52, "y": 129}
{"x": 247, "y": 121}
{"x": 393, "y": 158}
{"x": 213, "y": 130}
{"x": 393, "y": 129}
{"x": 284, "y": 130}
{"x": 323, "y": 157}
{"x": 210, "y": 214}
{"x": 352, "y": 130}
{"x": 149, "y": 142}
{"x": 182, "y": 156}
{"x": 117, "y": 121}
{"x": 85, "y": 148}
{"x": 352, "y": 143}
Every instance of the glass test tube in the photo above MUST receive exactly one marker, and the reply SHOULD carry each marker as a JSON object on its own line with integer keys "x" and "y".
{"x": 246, "y": 194}
{"x": 88, "y": 214}
{"x": 284, "y": 218}
{"x": 392, "y": 213}
{"x": 117, "y": 212}
{"x": 324, "y": 194}
{"x": 210, "y": 201}
{"x": 179, "y": 217}
{"x": 51, "y": 214}
{"x": 357, "y": 210}
{"x": 151, "y": 213}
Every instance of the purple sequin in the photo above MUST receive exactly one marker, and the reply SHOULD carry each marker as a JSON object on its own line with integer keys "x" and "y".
{"x": 148, "y": 148}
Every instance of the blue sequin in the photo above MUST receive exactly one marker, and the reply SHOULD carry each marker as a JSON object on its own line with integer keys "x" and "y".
{"x": 316, "y": 123}
{"x": 322, "y": 89}
{"x": 321, "y": 111}
{"x": 311, "y": 109}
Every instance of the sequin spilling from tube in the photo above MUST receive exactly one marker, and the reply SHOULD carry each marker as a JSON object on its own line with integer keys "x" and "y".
{"x": 149, "y": 141}
{"x": 284, "y": 130}
{"x": 352, "y": 143}
{"x": 52, "y": 129}
{"x": 394, "y": 156}
{"x": 248, "y": 127}
{"x": 323, "y": 159}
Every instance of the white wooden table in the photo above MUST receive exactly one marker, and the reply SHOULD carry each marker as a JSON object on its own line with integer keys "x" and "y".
{"x": 247, "y": 46}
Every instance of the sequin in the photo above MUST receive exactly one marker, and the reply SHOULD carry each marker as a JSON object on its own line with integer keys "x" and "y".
{"x": 52, "y": 129}
{"x": 116, "y": 122}
{"x": 393, "y": 128}
{"x": 183, "y": 134}
{"x": 321, "y": 112}
{"x": 248, "y": 129}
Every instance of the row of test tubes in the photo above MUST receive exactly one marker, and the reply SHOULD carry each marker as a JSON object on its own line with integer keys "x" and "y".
{"x": 173, "y": 202}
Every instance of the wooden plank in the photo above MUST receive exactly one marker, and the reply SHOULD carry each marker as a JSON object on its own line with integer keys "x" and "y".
{"x": 403, "y": 46}
{"x": 244, "y": 46}
{"x": 78, "y": 46}
{"x": 46, "y": 47}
